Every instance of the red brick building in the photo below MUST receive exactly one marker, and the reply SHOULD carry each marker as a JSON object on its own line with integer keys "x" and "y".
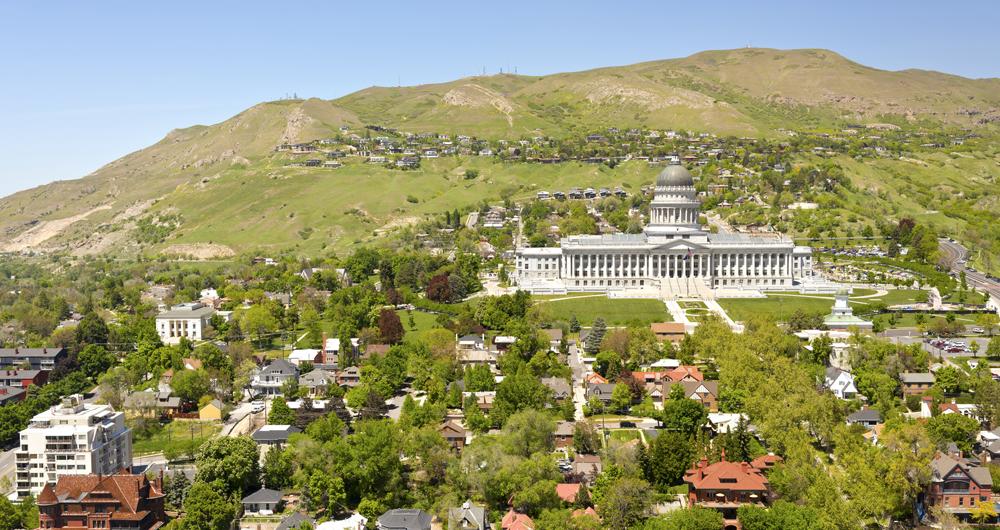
{"x": 725, "y": 486}
{"x": 83, "y": 502}
{"x": 957, "y": 484}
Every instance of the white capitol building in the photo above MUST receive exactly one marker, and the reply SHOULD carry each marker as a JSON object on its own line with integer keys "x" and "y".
{"x": 674, "y": 256}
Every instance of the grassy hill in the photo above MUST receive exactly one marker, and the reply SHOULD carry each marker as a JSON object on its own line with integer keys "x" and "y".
{"x": 221, "y": 188}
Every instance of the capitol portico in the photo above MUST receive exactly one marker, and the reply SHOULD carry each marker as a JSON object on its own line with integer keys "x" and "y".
{"x": 673, "y": 254}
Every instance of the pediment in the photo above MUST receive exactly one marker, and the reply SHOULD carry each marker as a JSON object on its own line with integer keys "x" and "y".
{"x": 681, "y": 244}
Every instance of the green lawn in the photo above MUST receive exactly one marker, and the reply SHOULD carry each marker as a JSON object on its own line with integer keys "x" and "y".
{"x": 902, "y": 296}
{"x": 692, "y": 304}
{"x": 624, "y": 435}
{"x": 976, "y": 298}
{"x": 422, "y": 322}
{"x": 614, "y": 311}
{"x": 909, "y": 320}
{"x": 180, "y": 437}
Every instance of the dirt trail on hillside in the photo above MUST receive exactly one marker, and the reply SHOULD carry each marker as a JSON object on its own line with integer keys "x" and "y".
{"x": 45, "y": 230}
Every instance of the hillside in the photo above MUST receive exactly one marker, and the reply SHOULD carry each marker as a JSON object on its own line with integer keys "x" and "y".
{"x": 220, "y": 189}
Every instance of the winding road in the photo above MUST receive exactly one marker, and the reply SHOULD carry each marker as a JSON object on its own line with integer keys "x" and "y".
{"x": 954, "y": 255}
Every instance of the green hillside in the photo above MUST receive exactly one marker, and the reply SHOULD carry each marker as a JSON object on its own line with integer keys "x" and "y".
{"x": 221, "y": 189}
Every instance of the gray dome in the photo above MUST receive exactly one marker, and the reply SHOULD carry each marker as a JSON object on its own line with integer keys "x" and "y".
{"x": 674, "y": 175}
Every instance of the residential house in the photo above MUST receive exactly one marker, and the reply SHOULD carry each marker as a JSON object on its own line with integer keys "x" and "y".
{"x": 454, "y": 434}
{"x": 472, "y": 342}
{"x": 349, "y": 377}
{"x": 10, "y": 394}
{"x": 555, "y": 338}
{"x": 404, "y": 519}
{"x": 262, "y": 502}
{"x": 840, "y": 382}
{"x": 726, "y": 422}
{"x": 23, "y": 378}
{"x": 916, "y": 383}
{"x": 155, "y": 403}
{"x": 866, "y": 417}
{"x": 564, "y": 434}
{"x": 516, "y": 521}
{"x": 477, "y": 358}
{"x": 725, "y": 486}
{"x": 568, "y": 491}
{"x": 958, "y": 484}
{"x": 317, "y": 382}
{"x": 503, "y": 342}
{"x": 704, "y": 392}
{"x": 668, "y": 331}
{"x": 355, "y": 522}
{"x": 31, "y": 358}
{"x": 559, "y": 386}
{"x": 213, "y": 410}
{"x": 294, "y": 521}
{"x": 190, "y": 321}
{"x": 270, "y": 378}
{"x": 468, "y": 517}
{"x": 484, "y": 400}
{"x": 968, "y": 410}
{"x": 311, "y": 356}
{"x": 601, "y": 391}
{"x": 274, "y": 435}
{"x": 588, "y": 465}
{"x": 116, "y": 501}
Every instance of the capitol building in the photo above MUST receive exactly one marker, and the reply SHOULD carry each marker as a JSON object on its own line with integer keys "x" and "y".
{"x": 674, "y": 256}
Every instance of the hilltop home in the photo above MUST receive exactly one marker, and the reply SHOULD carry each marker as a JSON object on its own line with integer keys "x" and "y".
{"x": 118, "y": 501}
{"x": 189, "y": 320}
{"x": 725, "y": 486}
{"x": 957, "y": 484}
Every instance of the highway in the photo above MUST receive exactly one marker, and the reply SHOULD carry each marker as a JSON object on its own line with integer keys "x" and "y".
{"x": 954, "y": 255}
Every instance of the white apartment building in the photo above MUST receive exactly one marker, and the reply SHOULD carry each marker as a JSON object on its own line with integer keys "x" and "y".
{"x": 184, "y": 320}
{"x": 72, "y": 438}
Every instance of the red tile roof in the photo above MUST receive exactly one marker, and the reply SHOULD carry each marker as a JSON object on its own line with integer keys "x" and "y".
{"x": 131, "y": 495}
{"x": 516, "y": 521}
{"x": 726, "y": 476}
{"x": 567, "y": 492}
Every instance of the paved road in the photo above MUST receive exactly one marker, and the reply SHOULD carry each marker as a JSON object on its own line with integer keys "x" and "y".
{"x": 953, "y": 254}
{"x": 577, "y": 368}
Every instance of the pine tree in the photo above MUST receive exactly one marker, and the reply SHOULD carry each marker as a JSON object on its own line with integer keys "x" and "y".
{"x": 596, "y": 336}
{"x": 574, "y": 324}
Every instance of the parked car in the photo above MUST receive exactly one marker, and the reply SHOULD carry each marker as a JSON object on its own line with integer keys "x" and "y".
{"x": 256, "y": 406}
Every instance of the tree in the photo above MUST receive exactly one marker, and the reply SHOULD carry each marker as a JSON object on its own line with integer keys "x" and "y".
{"x": 670, "y": 456}
{"x": 695, "y": 518}
{"x": 782, "y": 515}
{"x": 280, "y": 413}
{"x": 993, "y": 348}
{"x": 945, "y": 428}
{"x": 91, "y": 330}
{"x": 529, "y": 432}
{"x": 574, "y": 324}
{"x": 596, "y": 336}
{"x": 177, "y": 489}
{"x": 191, "y": 385}
{"x": 621, "y": 398}
{"x": 114, "y": 386}
{"x": 207, "y": 508}
{"x": 325, "y": 492}
{"x": 625, "y": 504}
{"x": 681, "y": 414}
{"x": 390, "y": 327}
{"x": 230, "y": 462}
{"x": 585, "y": 438}
{"x": 984, "y": 512}
{"x": 948, "y": 379}
{"x": 94, "y": 360}
{"x": 259, "y": 323}
{"x": 24, "y": 515}
{"x": 277, "y": 470}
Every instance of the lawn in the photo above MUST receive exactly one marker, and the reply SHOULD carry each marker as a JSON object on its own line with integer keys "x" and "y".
{"x": 779, "y": 308}
{"x": 624, "y": 435}
{"x": 902, "y": 296}
{"x": 692, "y": 304}
{"x": 177, "y": 438}
{"x": 422, "y": 322}
{"x": 614, "y": 311}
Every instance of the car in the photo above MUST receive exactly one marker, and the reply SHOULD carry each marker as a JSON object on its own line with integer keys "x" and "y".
{"x": 978, "y": 330}
{"x": 257, "y": 406}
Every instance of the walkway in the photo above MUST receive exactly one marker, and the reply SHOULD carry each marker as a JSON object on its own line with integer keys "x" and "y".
{"x": 714, "y": 307}
{"x": 677, "y": 314}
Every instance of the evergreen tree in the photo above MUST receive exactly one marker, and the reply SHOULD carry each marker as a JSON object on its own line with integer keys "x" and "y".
{"x": 596, "y": 336}
{"x": 281, "y": 413}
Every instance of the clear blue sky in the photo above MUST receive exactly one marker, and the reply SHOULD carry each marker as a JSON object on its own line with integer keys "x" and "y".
{"x": 82, "y": 83}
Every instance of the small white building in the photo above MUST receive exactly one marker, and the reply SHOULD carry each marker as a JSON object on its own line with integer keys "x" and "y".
{"x": 188, "y": 320}
{"x": 840, "y": 382}
{"x": 72, "y": 438}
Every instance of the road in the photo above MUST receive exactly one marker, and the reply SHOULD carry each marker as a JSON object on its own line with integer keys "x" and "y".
{"x": 577, "y": 369}
{"x": 954, "y": 255}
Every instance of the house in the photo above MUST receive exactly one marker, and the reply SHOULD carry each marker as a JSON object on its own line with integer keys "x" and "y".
{"x": 349, "y": 377}
{"x": 968, "y": 410}
{"x": 355, "y": 522}
{"x": 294, "y": 521}
{"x": 468, "y": 517}
{"x": 568, "y": 491}
{"x": 503, "y": 342}
{"x": 213, "y": 410}
{"x": 726, "y": 422}
{"x": 665, "y": 364}
{"x": 704, "y": 392}
{"x": 601, "y": 391}
{"x": 157, "y": 403}
{"x": 484, "y": 400}
{"x": 916, "y": 383}
{"x": 331, "y": 351}
{"x": 189, "y": 321}
{"x": 472, "y": 342}
{"x": 555, "y": 338}
{"x": 117, "y": 501}
{"x": 404, "y": 519}
{"x": 516, "y": 521}
{"x": 594, "y": 378}
{"x": 588, "y": 465}
{"x": 957, "y": 484}
{"x": 311, "y": 356}
{"x": 865, "y": 417}
{"x": 685, "y": 373}
{"x": 10, "y": 394}
{"x": 190, "y": 363}
{"x": 23, "y": 378}
{"x": 477, "y": 357}
{"x": 725, "y": 486}
{"x": 564, "y": 434}
{"x": 31, "y": 358}
{"x": 262, "y": 502}
{"x": 668, "y": 331}
{"x": 318, "y": 382}
{"x": 274, "y": 435}
{"x": 559, "y": 387}
{"x": 454, "y": 434}
{"x": 840, "y": 382}
{"x": 270, "y": 378}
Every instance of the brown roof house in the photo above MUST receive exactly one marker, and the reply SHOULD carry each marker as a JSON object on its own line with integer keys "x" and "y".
{"x": 564, "y": 434}
{"x": 454, "y": 434}
{"x": 704, "y": 392}
{"x": 668, "y": 331}
{"x": 916, "y": 383}
{"x": 725, "y": 486}
{"x": 122, "y": 500}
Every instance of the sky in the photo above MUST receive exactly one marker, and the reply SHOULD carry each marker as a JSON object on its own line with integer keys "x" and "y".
{"x": 83, "y": 83}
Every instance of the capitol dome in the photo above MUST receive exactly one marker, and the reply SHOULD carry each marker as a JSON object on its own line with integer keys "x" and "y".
{"x": 674, "y": 175}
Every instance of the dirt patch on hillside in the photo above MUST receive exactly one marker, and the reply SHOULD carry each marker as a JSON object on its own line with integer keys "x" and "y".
{"x": 45, "y": 230}
{"x": 295, "y": 122}
{"x": 199, "y": 250}
{"x": 606, "y": 91}
{"x": 473, "y": 95}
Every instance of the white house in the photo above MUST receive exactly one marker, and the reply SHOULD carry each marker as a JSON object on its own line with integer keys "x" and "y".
{"x": 841, "y": 383}
{"x": 188, "y": 320}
